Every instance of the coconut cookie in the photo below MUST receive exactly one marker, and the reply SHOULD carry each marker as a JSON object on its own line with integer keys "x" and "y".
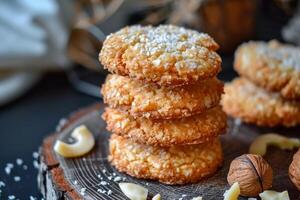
{"x": 272, "y": 65}
{"x": 191, "y": 130}
{"x": 172, "y": 165}
{"x": 166, "y": 55}
{"x": 147, "y": 100}
{"x": 243, "y": 99}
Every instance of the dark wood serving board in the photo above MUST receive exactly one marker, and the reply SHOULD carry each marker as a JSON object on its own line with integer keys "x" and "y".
{"x": 61, "y": 178}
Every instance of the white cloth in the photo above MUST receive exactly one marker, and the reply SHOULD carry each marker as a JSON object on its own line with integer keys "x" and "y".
{"x": 33, "y": 34}
{"x": 291, "y": 32}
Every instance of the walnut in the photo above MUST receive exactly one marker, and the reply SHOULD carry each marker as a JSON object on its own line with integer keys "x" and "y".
{"x": 294, "y": 170}
{"x": 252, "y": 172}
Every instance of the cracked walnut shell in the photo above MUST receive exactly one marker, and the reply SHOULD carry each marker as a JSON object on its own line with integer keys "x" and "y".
{"x": 294, "y": 170}
{"x": 252, "y": 172}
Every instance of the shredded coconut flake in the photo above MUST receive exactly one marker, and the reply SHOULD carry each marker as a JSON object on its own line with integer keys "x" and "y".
{"x": 2, "y": 184}
{"x": 103, "y": 183}
{"x": 17, "y": 178}
{"x": 10, "y": 197}
{"x": 35, "y": 155}
{"x": 19, "y": 161}
{"x": 32, "y": 198}
{"x": 118, "y": 178}
{"x": 35, "y": 164}
{"x": 25, "y": 167}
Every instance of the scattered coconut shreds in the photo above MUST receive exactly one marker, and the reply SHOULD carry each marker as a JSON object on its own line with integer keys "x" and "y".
{"x": 32, "y": 198}
{"x": 17, "y": 178}
{"x": 101, "y": 191}
{"x": 35, "y": 155}
{"x": 82, "y": 191}
{"x": 75, "y": 182}
{"x": 7, "y": 170}
{"x": 109, "y": 192}
{"x": 104, "y": 171}
{"x": 35, "y": 164}
{"x": 117, "y": 179}
{"x": 2, "y": 184}
{"x": 134, "y": 191}
{"x": 11, "y": 197}
{"x": 19, "y": 161}
{"x": 103, "y": 183}
{"x": 25, "y": 167}
{"x": 10, "y": 165}
{"x": 109, "y": 177}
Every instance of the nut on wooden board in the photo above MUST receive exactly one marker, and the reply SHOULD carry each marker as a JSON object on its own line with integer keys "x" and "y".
{"x": 134, "y": 191}
{"x": 85, "y": 141}
{"x": 273, "y": 195}
{"x": 233, "y": 192}
{"x": 294, "y": 170}
{"x": 260, "y": 144}
{"x": 252, "y": 172}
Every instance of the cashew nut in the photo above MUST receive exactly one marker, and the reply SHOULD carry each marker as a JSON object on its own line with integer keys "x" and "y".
{"x": 260, "y": 144}
{"x": 157, "y": 197}
{"x": 84, "y": 143}
{"x": 233, "y": 192}
{"x": 197, "y": 198}
{"x": 134, "y": 191}
{"x": 273, "y": 195}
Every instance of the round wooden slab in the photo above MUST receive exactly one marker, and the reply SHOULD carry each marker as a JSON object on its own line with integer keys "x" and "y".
{"x": 92, "y": 177}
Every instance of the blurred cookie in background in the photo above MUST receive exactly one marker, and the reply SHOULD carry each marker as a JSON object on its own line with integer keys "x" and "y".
{"x": 252, "y": 104}
{"x": 271, "y": 65}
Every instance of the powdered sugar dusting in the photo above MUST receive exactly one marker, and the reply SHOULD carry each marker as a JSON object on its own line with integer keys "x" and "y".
{"x": 288, "y": 56}
{"x": 167, "y": 43}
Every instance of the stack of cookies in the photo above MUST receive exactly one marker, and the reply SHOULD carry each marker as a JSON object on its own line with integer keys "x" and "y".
{"x": 268, "y": 91}
{"x": 163, "y": 103}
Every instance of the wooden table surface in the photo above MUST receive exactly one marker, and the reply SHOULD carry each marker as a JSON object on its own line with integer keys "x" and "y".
{"x": 71, "y": 178}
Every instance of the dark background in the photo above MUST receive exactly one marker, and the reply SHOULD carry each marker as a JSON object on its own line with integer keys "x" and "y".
{"x": 25, "y": 122}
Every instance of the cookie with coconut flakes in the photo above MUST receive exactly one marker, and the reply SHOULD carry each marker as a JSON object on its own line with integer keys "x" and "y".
{"x": 244, "y": 100}
{"x": 169, "y": 165}
{"x": 189, "y": 130}
{"x": 147, "y": 100}
{"x": 166, "y": 55}
{"x": 273, "y": 66}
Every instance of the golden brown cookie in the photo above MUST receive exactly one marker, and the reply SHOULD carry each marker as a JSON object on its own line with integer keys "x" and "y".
{"x": 171, "y": 165}
{"x": 191, "y": 130}
{"x": 272, "y": 65}
{"x": 147, "y": 100}
{"x": 166, "y": 55}
{"x": 243, "y": 99}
